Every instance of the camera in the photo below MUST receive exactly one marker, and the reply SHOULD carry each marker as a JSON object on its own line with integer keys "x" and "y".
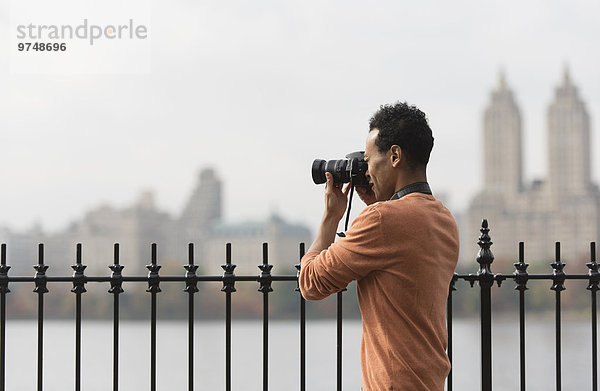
{"x": 351, "y": 169}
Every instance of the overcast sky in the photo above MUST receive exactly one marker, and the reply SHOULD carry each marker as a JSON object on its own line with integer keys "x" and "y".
{"x": 258, "y": 89}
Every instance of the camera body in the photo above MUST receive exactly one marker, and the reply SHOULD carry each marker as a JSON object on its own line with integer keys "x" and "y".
{"x": 351, "y": 169}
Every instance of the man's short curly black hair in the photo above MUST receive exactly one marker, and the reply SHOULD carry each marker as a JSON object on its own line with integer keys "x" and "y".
{"x": 405, "y": 126}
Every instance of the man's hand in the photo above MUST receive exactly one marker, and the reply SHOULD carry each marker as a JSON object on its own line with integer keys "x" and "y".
{"x": 366, "y": 194}
{"x": 335, "y": 199}
{"x": 335, "y": 206}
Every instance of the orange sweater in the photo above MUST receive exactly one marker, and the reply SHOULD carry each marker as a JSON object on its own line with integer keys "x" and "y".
{"x": 402, "y": 254}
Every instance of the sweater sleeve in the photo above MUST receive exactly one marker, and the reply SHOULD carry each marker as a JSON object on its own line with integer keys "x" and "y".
{"x": 349, "y": 258}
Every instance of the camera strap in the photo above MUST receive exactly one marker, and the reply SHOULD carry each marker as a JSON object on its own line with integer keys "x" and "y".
{"x": 342, "y": 234}
{"x": 417, "y": 187}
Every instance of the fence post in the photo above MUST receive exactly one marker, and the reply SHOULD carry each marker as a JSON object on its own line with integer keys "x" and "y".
{"x": 40, "y": 288}
{"x": 521, "y": 277}
{"x": 302, "y": 322}
{"x": 116, "y": 282}
{"x": 558, "y": 285}
{"x": 486, "y": 280}
{"x": 449, "y": 321}
{"x": 153, "y": 289}
{"x": 191, "y": 287}
{"x": 79, "y": 280}
{"x": 265, "y": 287}
{"x": 4, "y": 268}
{"x": 593, "y": 288}
{"x": 228, "y": 288}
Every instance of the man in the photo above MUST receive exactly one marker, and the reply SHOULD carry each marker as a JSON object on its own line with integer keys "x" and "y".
{"x": 402, "y": 249}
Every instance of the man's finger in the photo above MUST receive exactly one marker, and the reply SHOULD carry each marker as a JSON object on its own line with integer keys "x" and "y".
{"x": 329, "y": 178}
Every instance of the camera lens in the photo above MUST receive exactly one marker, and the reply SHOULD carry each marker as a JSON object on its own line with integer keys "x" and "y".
{"x": 337, "y": 168}
{"x": 318, "y": 171}
{"x": 352, "y": 169}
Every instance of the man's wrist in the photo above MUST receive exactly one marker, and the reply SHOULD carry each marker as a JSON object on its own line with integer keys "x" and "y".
{"x": 329, "y": 220}
{"x": 326, "y": 234}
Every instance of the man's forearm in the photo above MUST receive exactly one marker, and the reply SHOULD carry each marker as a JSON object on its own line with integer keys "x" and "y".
{"x": 325, "y": 235}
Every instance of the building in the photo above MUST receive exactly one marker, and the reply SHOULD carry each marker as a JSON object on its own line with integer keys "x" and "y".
{"x": 565, "y": 207}
{"x": 246, "y": 244}
{"x": 136, "y": 227}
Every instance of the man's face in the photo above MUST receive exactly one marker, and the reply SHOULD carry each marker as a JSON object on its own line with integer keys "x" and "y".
{"x": 380, "y": 171}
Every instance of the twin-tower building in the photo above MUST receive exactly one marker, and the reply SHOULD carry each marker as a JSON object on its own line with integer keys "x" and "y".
{"x": 564, "y": 207}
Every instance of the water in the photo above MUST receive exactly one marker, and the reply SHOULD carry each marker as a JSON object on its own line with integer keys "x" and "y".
{"x": 21, "y": 351}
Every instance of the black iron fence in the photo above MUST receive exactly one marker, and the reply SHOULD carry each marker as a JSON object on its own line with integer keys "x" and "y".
{"x": 484, "y": 277}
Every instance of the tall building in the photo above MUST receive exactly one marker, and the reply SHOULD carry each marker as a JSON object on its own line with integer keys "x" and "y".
{"x": 568, "y": 143}
{"x": 203, "y": 206}
{"x": 564, "y": 208}
{"x": 502, "y": 147}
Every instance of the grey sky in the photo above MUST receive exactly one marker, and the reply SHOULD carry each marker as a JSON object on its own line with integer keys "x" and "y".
{"x": 259, "y": 89}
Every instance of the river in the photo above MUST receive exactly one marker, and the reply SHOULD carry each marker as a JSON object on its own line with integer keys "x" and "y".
{"x": 59, "y": 343}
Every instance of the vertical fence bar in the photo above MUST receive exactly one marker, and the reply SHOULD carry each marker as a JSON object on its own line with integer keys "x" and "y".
{"x": 486, "y": 280}
{"x": 153, "y": 288}
{"x": 116, "y": 281}
{"x": 594, "y": 344}
{"x": 79, "y": 280}
{"x": 594, "y": 279}
{"x": 449, "y": 322}
{"x": 78, "y": 342}
{"x": 40, "y": 289}
{"x": 116, "y": 342}
{"x": 3, "y": 291}
{"x": 191, "y": 287}
{"x": 558, "y": 278}
{"x": 265, "y": 287}
{"x": 228, "y": 288}
{"x": 339, "y": 340}
{"x": 521, "y": 278}
{"x": 302, "y": 326}
{"x": 190, "y": 342}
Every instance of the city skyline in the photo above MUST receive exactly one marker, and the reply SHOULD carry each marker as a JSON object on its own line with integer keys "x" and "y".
{"x": 501, "y": 78}
{"x": 140, "y": 224}
{"x": 259, "y": 92}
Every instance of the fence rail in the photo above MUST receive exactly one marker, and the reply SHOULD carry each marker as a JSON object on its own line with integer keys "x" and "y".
{"x": 484, "y": 277}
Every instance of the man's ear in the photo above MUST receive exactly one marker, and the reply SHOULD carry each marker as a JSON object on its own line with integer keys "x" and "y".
{"x": 396, "y": 155}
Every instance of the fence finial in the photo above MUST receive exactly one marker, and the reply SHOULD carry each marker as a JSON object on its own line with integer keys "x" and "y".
{"x": 265, "y": 272}
{"x": 79, "y": 278}
{"x": 593, "y": 266}
{"x": 298, "y": 265}
{"x": 452, "y": 286}
{"x": 40, "y": 272}
{"x": 228, "y": 275}
{"x": 484, "y": 255}
{"x": 153, "y": 277}
{"x": 520, "y": 274}
{"x": 558, "y": 275}
{"x": 4, "y": 268}
{"x": 191, "y": 280}
{"x": 116, "y": 278}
